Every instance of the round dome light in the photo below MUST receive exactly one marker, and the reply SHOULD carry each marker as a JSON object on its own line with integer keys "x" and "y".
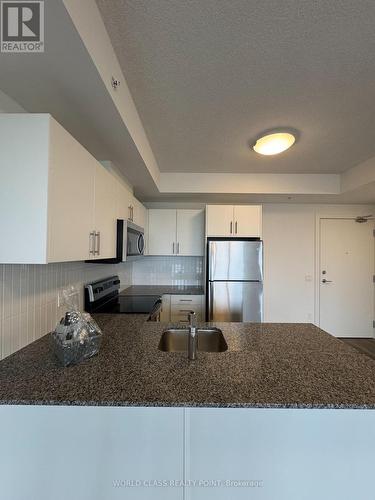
{"x": 273, "y": 144}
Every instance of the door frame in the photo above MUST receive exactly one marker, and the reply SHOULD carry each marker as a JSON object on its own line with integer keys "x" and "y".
{"x": 318, "y": 217}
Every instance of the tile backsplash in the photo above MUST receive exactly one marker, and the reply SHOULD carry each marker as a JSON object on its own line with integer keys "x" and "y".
{"x": 29, "y": 293}
{"x": 29, "y": 296}
{"x": 168, "y": 271}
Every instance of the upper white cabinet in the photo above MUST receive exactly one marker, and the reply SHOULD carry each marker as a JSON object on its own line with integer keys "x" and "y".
{"x": 105, "y": 214}
{"x": 139, "y": 215}
{"x": 176, "y": 232}
{"x": 219, "y": 220}
{"x": 129, "y": 208}
{"x": 124, "y": 201}
{"x": 67, "y": 185}
{"x": 162, "y": 232}
{"x": 234, "y": 221}
{"x": 190, "y": 232}
{"x": 247, "y": 220}
{"x": 57, "y": 203}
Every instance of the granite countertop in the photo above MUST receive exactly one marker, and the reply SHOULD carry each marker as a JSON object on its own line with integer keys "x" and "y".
{"x": 163, "y": 290}
{"x": 266, "y": 366}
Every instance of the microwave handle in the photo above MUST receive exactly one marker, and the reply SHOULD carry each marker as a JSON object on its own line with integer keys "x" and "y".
{"x": 141, "y": 244}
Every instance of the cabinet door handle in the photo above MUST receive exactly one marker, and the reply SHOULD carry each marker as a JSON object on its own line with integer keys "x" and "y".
{"x": 92, "y": 243}
{"x": 173, "y": 248}
{"x": 97, "y": 243}
{"x": 236, "y": 225}
{"x": 231, "y": 227}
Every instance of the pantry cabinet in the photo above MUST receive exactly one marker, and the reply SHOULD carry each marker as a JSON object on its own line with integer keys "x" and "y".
{"x": 57, "y": 202}
{"x": 234, "y": 221}
{"x": 176, "y": 232}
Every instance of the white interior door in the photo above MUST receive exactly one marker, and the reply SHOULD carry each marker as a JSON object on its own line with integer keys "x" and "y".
{"x": 346, "y": 277}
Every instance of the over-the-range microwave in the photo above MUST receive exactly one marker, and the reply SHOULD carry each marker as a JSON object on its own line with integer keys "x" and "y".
{"x": 130, "y": 244}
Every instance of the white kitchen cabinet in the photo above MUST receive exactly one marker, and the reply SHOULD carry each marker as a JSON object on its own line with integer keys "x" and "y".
{"x": 105, "y": 215}
{"x": 176, "y": 232}
{"x": 70, "y": 206}
{"x": 219, "y": 220}
{"x": 91, "y": 453}
{"x": 139, "y": 213}
{"x": 129, "y": 208}
{"x": 181, "y": 305}
{"x": 124, "y": 201}
{"x": 176, "y": 308}
{"x": 57, "y": 203}
{"x": 165, "y": 313}
{"x": 234, "y": 221}
{"x": 247, "y": 220}
{"x": 278, "y": 453}
{"x": 190, "y": 231}
{"x": 161, "y": 232}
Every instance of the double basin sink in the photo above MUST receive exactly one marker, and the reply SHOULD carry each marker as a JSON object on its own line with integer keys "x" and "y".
{"x": 208, "y": 340}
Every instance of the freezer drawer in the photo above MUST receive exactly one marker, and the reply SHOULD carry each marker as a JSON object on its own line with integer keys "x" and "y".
{"x": 230, "y": 301}
{"x": 235, "y": 260}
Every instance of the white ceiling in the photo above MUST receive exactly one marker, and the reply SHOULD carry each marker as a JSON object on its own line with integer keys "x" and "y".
{"x": 207, "y": 76}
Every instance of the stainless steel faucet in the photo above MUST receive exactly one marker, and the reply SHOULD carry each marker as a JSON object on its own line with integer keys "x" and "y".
{"x": 192, "y": 341}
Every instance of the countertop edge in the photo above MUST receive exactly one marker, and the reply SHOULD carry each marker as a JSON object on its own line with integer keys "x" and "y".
{"x": 146, "y": 404}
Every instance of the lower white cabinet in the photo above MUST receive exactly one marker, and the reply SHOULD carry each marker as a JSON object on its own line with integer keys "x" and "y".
{"x": 283, "y": 454}
{"x": 91, "y": 453}
{"x": 176, "y": 308}
{"x": 165, "y": 314}
{"x": 130, "y": 453}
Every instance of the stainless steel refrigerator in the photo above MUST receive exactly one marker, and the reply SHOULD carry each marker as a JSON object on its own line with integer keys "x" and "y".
{"x": 235, "y": 280}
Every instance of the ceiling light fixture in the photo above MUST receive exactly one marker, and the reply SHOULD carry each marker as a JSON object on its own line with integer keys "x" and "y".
{"x": 273, "y": 144}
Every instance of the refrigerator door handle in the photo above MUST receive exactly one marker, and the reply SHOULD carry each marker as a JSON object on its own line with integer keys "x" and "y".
{"x": 210, "y": 302}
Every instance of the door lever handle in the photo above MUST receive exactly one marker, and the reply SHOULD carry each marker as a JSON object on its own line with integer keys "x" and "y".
{"x": 326, "y": 281}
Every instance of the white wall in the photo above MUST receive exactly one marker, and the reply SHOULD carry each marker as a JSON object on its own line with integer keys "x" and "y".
{"x": 290, "y": 247}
